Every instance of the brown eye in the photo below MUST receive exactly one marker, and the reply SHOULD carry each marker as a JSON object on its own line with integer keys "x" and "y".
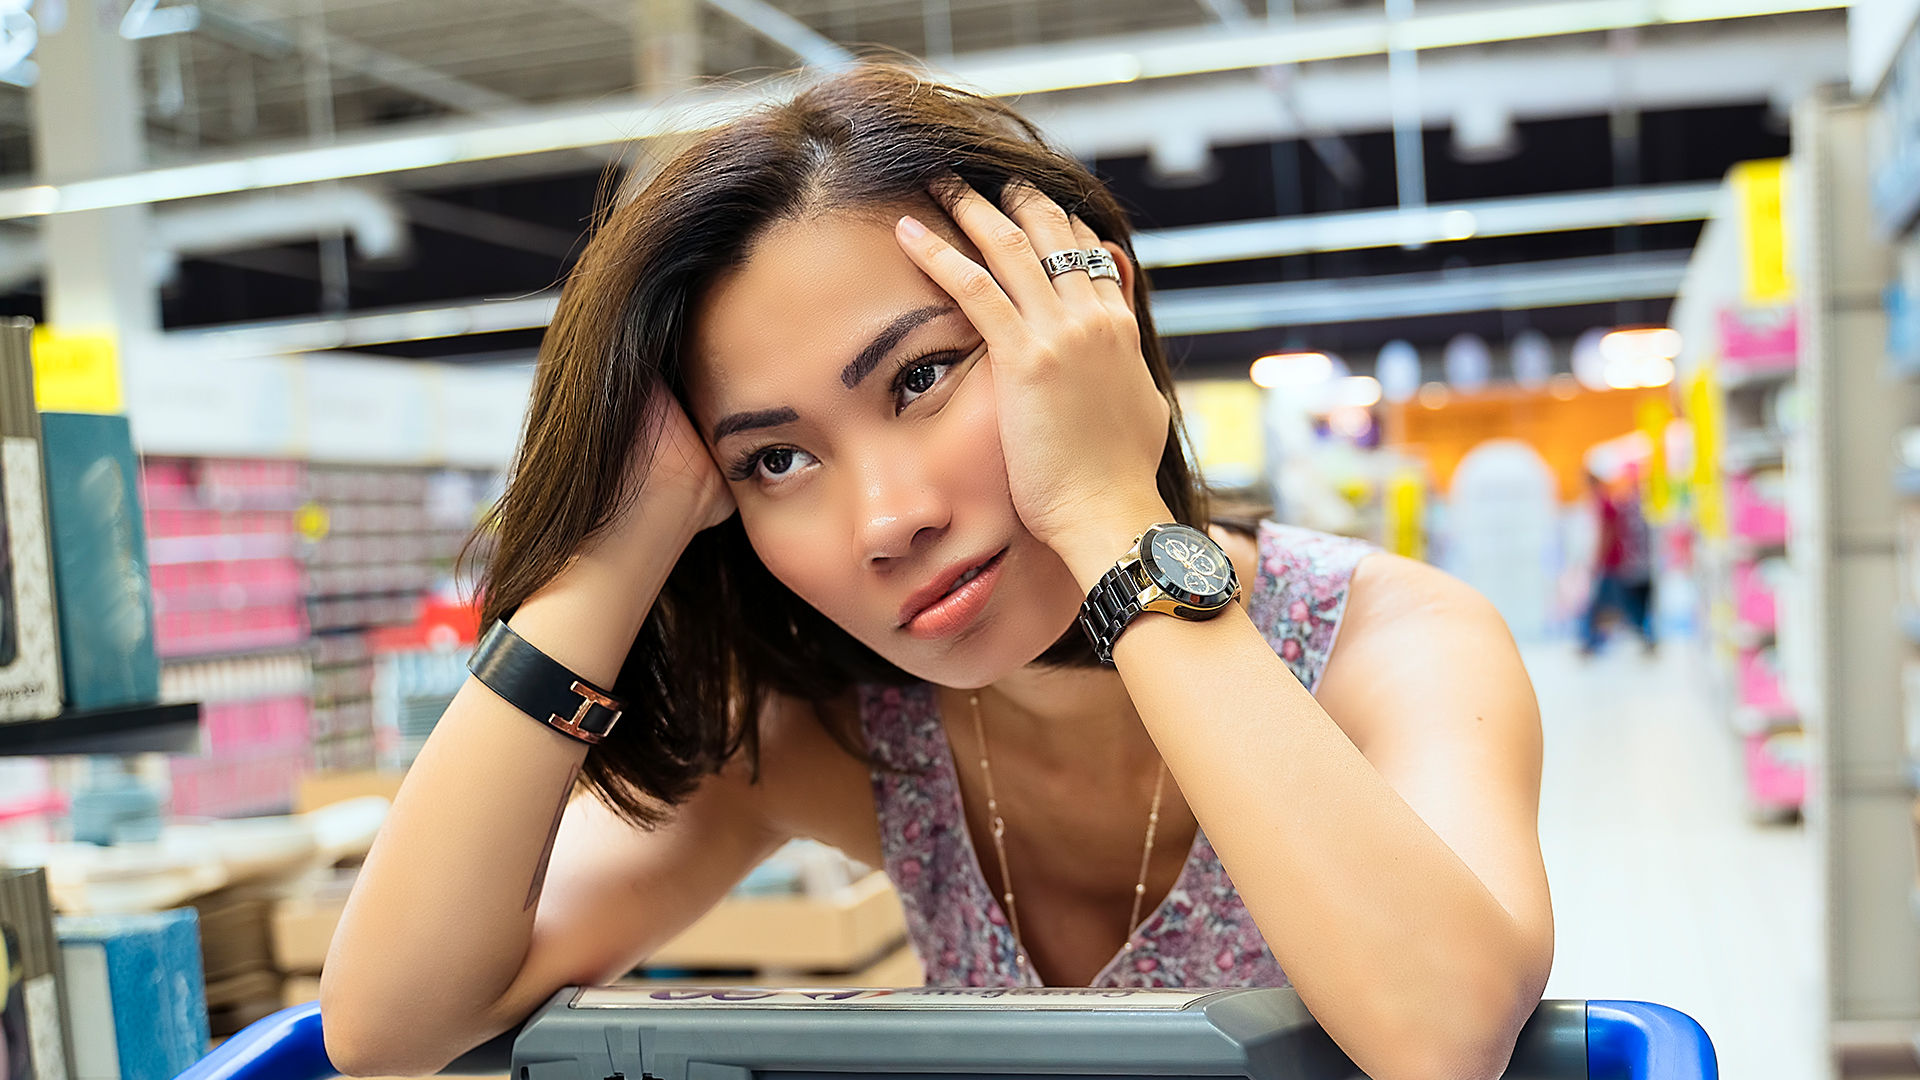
{"x": 777, "y": 461}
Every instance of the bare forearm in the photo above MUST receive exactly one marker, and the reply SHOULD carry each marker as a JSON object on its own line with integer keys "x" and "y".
{"x": 431, "y": 954}
{"x": 1392, "y": 940}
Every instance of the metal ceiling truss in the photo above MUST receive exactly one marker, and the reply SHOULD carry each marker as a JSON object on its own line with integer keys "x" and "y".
{"x": 1147, "y": 57}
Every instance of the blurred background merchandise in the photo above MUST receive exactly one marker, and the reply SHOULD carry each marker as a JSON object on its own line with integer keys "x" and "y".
{"x": 1607, "y": 307}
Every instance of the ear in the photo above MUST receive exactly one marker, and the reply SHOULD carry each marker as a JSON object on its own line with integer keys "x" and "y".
{"x": 1127, "y": 270}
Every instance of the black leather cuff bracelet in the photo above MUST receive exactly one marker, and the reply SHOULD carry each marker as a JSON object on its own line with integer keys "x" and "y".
{"x": 538, "y": 685}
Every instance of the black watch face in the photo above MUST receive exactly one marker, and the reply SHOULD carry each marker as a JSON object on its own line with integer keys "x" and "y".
{"x": 1188, "y": 565}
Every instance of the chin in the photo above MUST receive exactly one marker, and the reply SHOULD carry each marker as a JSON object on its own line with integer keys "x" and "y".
{"x": 996, "y": 647}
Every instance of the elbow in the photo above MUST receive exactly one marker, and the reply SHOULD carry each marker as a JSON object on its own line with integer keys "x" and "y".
{"x": 365, "y": 1042}
{"x": 1471, "y": 1037}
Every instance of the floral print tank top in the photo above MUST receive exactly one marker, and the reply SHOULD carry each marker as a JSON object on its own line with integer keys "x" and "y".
{"x": 1201, "y": 934}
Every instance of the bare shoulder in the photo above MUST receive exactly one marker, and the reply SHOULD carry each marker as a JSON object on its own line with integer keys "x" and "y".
{"x": 1390, "y": 590}
{"x": 1417, "y": 644}
{"x": 814, "y": 780}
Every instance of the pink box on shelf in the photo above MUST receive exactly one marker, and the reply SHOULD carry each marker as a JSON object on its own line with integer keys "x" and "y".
{"x": 261, "y": 724}
{"x": 1777, "y": 770}
{"x": 1757, "y": 509}
{"x": 1753, "y": 602}
{"x": 1762, "y": 340}
{"x": 255, "y": 782}
{"x": 1760, "y": 687}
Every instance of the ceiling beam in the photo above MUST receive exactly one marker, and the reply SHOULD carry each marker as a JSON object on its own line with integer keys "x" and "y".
{"x": 492, "y": 228}
{"x": 1510, "y": 287}
{"x": 249, "y": 27}
{"x": 1740, "y": 63}
{"x": 1039, "y": 69}
{"x": 1177, "y": 312}
{"x": 803, "y": 41}
{"x": 811, "y": 46}
{"x": 1353, "y": 230}
{"x": 1147, "y": 56}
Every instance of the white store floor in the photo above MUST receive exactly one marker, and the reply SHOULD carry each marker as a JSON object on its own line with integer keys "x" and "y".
{"x": 1663, "y": 888}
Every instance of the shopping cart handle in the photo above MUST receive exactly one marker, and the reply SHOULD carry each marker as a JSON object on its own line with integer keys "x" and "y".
{"x": 1637, "y": 1040}
{"x": 289, "y": 1046}
{"x": 1564, "y": 1040}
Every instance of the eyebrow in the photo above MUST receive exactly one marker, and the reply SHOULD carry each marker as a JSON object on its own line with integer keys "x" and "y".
{"x": 753, "y": 421}
{"x": 851, "y": 375}
{"x": 886, "y": 339}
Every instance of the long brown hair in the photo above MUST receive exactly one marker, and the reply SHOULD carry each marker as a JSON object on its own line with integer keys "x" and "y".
{"x": 724, "y": 633}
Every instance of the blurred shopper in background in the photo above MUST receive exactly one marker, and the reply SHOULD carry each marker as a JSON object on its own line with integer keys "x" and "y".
{"x": 1623, "y": 564}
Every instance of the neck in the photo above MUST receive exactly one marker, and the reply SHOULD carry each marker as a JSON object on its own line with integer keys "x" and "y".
{"x": 1062, "y": 715}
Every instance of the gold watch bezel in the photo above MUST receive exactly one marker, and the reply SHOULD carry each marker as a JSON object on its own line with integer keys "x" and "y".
{"x": 1154, "y": 598}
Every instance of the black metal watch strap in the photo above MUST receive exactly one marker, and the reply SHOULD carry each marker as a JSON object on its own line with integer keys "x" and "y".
{"x": 1110, "y": 607}
{"x": 541, "y": 687}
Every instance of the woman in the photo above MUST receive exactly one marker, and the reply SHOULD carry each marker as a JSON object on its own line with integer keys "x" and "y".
{"x": 820, "y": 464}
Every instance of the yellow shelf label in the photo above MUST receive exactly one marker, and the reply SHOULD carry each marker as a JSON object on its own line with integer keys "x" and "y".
{"x": 76, "y": 371}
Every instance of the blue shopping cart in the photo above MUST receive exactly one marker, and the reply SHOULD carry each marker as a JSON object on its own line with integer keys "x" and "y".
{"x": 682, "y": 1033}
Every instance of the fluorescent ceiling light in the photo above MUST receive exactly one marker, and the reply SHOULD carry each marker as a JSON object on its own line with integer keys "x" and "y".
{"x": 1042, "y": 69}
{"x": 1356, "y": 229}
{"x": 1294, "y": 370}
{"x": 1512, "y": 287}
{"x": 1007, "y": 74}
{"x": 365, "y": 329}
{"x": 1176, "y": 311}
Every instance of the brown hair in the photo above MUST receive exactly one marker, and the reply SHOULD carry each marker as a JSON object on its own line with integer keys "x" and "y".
{"x": 725, "y": 633}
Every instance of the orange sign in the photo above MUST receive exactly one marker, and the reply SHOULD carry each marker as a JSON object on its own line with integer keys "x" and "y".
{"x": 1561, "y": 429}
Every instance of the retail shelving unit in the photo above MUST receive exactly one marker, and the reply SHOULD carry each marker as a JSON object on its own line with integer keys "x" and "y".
{"x": 1738, "y": 388}
{"x": 229, "y": 626}
{"x": 1846, "y": 493}
{"x": 391, "y": 536}
{"x": 271, "y": 579}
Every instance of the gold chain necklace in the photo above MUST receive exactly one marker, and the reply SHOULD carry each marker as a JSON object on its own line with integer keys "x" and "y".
{"x": 999, "y": 833}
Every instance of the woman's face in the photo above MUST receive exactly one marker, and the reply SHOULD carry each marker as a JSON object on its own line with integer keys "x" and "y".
{"x": 849, "y": 403}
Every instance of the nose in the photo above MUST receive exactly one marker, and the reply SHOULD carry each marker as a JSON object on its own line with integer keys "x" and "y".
{"x": 898, "y": 509}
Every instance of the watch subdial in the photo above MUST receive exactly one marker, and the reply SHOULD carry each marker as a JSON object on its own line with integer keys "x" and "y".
{"x": 1201, "y": 584}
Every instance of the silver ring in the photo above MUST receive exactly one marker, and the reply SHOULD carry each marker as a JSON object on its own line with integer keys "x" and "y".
{"x": 1100, "y": 264}
{"x": 1064, "y": 262}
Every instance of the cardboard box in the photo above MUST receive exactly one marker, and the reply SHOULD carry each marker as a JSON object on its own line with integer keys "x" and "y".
{"x": 302, "y": 931}
{"x": 782, "y": 933}
{"x": 793, "y": 933}
{"x": 325, "y": 789}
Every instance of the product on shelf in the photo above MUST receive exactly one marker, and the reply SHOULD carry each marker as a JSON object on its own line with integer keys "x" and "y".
{"x": 100, "y": 561}
{"x": 222, "y": 544}
{"x": 1760, "y": 689}
{"x": 1736, "y": 382}
{"x": 380, "y": 567}
{"x": 1777, "y": 771}
{"x": 1753, "y": 593}
{"x": 1759, "y": 339}
{"x": 231, "y": 628}
{"x": 40, "y": 1044}
{"x": 236, "y": 951}
{"x": 29, "y": 636}
{"x": 271, "y": 579}
{"x": 1756, "y": 507}
{"x": 411, "y": 690}
{"x": 136, "y": 992}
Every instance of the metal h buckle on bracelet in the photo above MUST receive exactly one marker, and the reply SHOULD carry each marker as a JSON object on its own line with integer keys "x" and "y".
{"x": 589, "y": 697}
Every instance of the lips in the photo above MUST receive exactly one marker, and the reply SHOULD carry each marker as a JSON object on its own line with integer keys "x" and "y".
{"x": 952, "y": 600}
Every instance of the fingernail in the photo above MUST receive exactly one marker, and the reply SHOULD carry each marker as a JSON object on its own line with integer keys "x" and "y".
{"x": 912, "y": 228}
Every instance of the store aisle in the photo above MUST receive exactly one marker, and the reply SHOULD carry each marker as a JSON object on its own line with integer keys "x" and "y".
{"x": 1663, "y": 889}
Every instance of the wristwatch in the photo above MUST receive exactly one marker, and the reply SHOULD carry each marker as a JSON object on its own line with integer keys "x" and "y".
{"x": 1173, "y": 569}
